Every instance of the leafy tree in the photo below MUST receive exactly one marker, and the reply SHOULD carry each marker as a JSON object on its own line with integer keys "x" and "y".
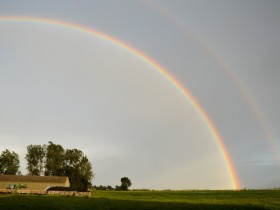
{"x": 9, "y": 162}
{"x": 126, "y": 183}
{"x": 78, "y": 168}
{"x": 35, "y": 159}
{"x": 53, "y": 160}
{"x": 55, "y": 155}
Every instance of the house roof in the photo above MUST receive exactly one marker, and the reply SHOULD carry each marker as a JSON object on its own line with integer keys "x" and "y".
{"x": 16, "y": 178}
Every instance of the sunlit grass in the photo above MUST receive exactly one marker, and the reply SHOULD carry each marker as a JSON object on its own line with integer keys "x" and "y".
{"x": 247, "y": 199}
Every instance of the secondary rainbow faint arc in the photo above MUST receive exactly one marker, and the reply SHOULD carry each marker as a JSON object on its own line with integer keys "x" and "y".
{"x": 229, "y": 72}
{"x": 158, "y": 67}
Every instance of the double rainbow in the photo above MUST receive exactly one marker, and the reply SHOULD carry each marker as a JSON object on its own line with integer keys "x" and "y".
{"x": 155, "y": 65}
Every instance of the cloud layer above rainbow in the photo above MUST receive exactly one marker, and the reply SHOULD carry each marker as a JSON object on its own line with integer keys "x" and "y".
{"x": 160, "y": 69}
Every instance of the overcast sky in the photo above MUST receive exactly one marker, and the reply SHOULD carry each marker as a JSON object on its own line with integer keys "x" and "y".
{"x": 85, "y": 92}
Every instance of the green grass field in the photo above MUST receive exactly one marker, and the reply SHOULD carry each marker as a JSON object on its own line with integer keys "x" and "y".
{"x": 247, "y": 199}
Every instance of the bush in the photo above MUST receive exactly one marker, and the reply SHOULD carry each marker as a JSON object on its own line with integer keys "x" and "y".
{"x": 65, "y": 189}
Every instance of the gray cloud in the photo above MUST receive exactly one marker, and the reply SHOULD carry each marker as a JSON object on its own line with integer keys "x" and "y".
{"x": 62, "y": 85}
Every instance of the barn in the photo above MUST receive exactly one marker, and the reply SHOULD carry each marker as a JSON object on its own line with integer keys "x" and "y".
{"x": 33, "y": 182}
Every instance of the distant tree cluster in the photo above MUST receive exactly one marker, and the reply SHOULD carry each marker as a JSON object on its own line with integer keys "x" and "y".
{"x": 54, "y": 160}
{"x": 101, "y": 187}
{"x": 51, "y": 160}
{"x": 125, "y": 184}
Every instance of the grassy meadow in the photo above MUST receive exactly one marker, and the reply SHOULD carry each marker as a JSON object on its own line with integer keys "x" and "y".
{"x": 246, "y": 199}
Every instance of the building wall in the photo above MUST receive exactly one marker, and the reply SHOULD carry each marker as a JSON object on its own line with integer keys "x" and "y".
{"x": 36, "y": 185}
{"x": 67, "y": 183}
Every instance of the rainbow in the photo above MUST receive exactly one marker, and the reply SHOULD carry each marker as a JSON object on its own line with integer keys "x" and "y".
{"x": 157, "y": 67}
{"x": 241, "y": 88}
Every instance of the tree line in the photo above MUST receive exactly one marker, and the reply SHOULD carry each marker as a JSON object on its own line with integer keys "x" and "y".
{"x": 125, "y": 184}
{"x": 51, "y": 160}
